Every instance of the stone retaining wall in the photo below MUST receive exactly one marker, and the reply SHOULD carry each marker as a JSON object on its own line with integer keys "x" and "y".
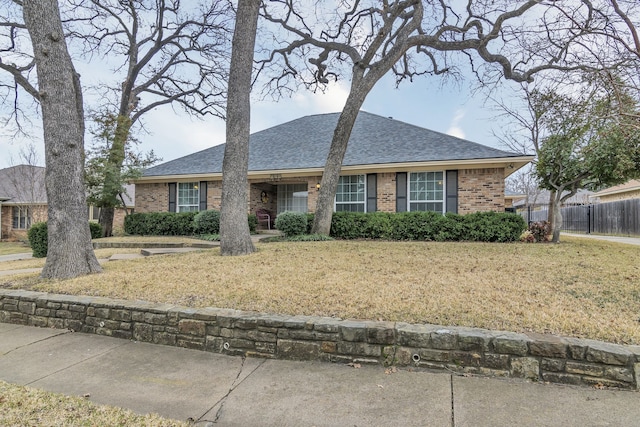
{"x": 461, "y": 350}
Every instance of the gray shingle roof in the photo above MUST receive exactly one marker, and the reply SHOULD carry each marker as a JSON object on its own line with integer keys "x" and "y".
{"x": 304, "y": 143}
{"x": 23, "y": 184}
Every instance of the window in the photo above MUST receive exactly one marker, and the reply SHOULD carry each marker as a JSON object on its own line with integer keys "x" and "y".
{"x": 188, "y": 197}
{"x": 94, "y": 213}
{"x": 350, "y": 196}
{"x": 426, "y": 191}
{"x": 21, "y": 217}
{"x": 293, "y": 197}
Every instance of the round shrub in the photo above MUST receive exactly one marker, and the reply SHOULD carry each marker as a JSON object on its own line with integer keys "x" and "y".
{"x": 292, "y": 223}
{"x": 207, "y": 222}
{"x": 37, "y": 235}
{"x": 95, "y": 229}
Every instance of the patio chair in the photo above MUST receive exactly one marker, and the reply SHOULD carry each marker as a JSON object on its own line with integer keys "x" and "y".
{"x": 264, "y": 216}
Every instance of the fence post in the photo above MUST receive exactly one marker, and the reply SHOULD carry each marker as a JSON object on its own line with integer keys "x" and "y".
{"x": 589, "y": 219}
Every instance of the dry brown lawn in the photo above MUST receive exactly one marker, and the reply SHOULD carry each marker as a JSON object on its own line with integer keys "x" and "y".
{"x": 7, "y": 248}
{"x": 581, "y": 288}
{"x": 26, "y": 406}
{"x": 39, "y": 262}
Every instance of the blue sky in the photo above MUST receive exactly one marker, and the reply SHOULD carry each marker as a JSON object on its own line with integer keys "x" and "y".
{"x": 449, "y": 108}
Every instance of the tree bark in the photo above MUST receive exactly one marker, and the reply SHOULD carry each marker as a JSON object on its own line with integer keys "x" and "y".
{"x": 70, "y": 252}
{"x": 235, "y": 238}
{"x": 333, "y": 165}
{"x": 115, "y": 160}
{"x": 556, "y": 219}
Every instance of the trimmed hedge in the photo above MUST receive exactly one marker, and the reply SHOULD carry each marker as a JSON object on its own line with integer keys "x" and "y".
{"x": 37, "y": 236}
{"x": 160, "y": 223}
{"x": 39, "y": 241}
{"x": 292, "y": 223}
{"x": 176, "y": 223}
{"x": 427, "y": 226}
{"x": 207, "y": 222}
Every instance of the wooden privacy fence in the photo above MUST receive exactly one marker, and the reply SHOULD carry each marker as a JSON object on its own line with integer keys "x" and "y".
{"x": 618, "y": 218}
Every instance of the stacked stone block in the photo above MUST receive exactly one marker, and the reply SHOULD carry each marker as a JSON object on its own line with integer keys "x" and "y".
{"x": 461, "y": 350}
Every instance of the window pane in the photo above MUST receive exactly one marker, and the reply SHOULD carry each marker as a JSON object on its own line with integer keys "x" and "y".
{"x": 426, "y": 191}
{"x": 350, "y": 195}
{"x": 188, "y": 197}
{"x": 292, "y": 198}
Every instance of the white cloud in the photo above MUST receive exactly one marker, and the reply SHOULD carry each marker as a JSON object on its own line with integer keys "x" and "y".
{"x": 454, "y": 126}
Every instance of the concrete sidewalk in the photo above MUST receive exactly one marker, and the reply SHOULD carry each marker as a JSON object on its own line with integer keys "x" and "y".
{"x": 211, "y": 388}
{"x": 616, "y": 239}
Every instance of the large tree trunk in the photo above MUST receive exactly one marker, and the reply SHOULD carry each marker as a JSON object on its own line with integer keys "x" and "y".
{"x": 70, "y": 252}
{"x": 551, "y": 211}
{"x": 324, "y": 207}
{"x": 235, "y": 238}
{"x": 556, "y": 224}
{"x": 112, "y": 180}
{"x": 331, "y": 174}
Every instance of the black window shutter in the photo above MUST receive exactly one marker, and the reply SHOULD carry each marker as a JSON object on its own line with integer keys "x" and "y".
{"x": 372, "y": 192}
{"x": 172, "y": 196}
{"x": 203, "y": 195}
{"x": 401, "y": 192}
{"x": 452, "y": 191}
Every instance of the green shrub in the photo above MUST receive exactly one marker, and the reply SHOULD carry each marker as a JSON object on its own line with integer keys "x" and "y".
{"x": 207, "y": 222}
{"x": 427, "y": 226}
{"x": 37, "y": 235}
{"x": 253, "y": 223}
{"x": 292, "y": 223}
{"x": 310, "y": 218}
{"x": 95, "y": 229}
{"x": 493, "y": 227}
{"x": 160, "y": 223}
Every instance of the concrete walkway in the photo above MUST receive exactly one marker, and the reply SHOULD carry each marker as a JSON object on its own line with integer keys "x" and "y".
{"x": 211, "y": 388}
{"x": 617, "y": 239}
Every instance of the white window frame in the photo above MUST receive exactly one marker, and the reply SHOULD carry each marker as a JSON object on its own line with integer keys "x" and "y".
{"x": 429, "y": 193}
{"x": 191, "y": 192}
{"x": 24, "y": 217}
{"x": 94, "y": 213}
{"x": 350, "y": 194}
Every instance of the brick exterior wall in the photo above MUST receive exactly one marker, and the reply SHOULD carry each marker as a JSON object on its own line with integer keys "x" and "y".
{"x": 386, "y": 192}
{"x": 5, "y": 225}
{"x": 620, "y": 196}
{"x": 480, "y": 190}
{"x": 38, "y": 214}
{"x": 152, "y": 197}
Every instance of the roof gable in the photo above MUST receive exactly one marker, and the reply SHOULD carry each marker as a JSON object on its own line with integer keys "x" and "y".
{"x": 304, "y": 144}
{"x": 23, "y": 184}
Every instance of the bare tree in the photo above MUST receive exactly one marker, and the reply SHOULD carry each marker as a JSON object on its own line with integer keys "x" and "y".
{"x": 70, "y": 252}
{"x": 172, "y": 53}
{"x": 235, "y": 238}
{"x": 366, "y": 39}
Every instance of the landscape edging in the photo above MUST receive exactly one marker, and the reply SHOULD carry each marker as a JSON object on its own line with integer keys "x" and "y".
{"x": 536, "y": 357}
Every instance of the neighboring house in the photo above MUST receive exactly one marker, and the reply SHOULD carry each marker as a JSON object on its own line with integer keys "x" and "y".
{"x": 540, "y": 200}
{"x": 389, "y": 166}
{"x": 23, "y": 201}
{"x": 510, "y": 197}
{"x": 628, "y": 190}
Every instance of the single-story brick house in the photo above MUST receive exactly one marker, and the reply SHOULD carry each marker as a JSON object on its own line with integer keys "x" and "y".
{"x": 389, "y": 166}
{"x": 626, "y": 191}
{"x": 23, "y": 201}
